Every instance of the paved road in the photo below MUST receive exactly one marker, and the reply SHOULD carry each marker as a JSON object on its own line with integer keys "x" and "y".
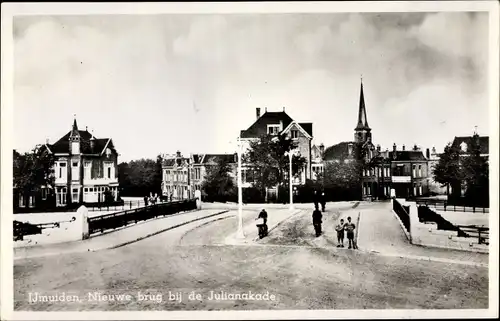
{"x": 195, "y": 257}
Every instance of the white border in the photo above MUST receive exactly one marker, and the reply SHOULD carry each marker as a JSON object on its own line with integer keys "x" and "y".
{"x": 11, "y": 9}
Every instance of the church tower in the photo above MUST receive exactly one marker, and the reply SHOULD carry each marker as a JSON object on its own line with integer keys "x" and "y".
{"x": 362, "y": 132}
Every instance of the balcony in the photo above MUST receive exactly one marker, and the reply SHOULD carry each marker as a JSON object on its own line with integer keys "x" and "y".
{"x": 100, "y": 181}
{"x": 401, "y": 179}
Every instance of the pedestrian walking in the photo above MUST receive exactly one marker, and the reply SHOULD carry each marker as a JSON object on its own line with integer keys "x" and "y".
{"x": 145, "y": 201}
{"x": 340, "y": 233}
{"x": 323, "y": 201}
{"x": 349, "y": 227}
{"x": 317, "y": 220}
{"x": 316, "y": 199}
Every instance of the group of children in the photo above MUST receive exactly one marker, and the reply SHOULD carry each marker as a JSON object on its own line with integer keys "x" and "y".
{"x": 349, "y": 228}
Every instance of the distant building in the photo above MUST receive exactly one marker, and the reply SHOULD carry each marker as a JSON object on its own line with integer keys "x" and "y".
{"x": 375, "y": 177}
{"x": 182, "y": 176}
{"x": 433, "y": 159}
{"x": 280, "y": 123}
{"x": 85, "y": 170}
{"x": 409, "y": 172}
{"x": 465, "y": 143}
{"x": 201, "y": 164}
{"x": 175, "y": 179}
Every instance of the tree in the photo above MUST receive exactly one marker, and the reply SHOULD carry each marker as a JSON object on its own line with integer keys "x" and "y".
{"x": 33, "y": 169}
{"x": 269, "y": 160}
{"x": 218, "y": 185}
{"x": 475, "y": 174}
{"x": 343, "y": 178}
{"x": 140, "y": 177}
{"x": 447, "y": 171}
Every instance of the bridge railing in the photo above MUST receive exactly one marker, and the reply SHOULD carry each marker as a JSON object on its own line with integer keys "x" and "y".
{"x": 115, "y": 220}
{"x": 402, "y": 212}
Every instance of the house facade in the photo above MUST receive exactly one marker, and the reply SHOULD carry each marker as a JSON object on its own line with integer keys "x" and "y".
{"x": 85, "y": 170}
{"x": 410, "y": 172}
{"x": 183, "y": 176}
{"x": 279, "y": 123}
{"x": 176, "y": 179}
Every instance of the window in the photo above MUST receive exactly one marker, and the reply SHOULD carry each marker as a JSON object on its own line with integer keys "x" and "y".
{"x": 109, "y": 169}
{"x": 273, "y": 129}
{"x": 61, "y": 196}
{"x": 294, "y": 133}
{"x": 420, "y": 170}
{"x": 414, "y": 171}
{"x": 75, "y": 195}
{"x": 88, "y": 166}
{"x": 420, "y": 190}
{"x": 21, "y": 200}
{"x": 31, "y": 201}
{"x": 75, "y": 148}
{"x": 44, "y": 193}
{"x": 75, "y": 171}
{"x": 62, "y": 169}
{"x": 414, "y": 189}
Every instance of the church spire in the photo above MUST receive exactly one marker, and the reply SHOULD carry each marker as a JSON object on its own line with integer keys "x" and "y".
{"x": 362, "y": 120}
{"x": 74, "y": 129}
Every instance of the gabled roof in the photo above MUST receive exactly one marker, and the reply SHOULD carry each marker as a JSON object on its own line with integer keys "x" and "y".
{"x": 484, "y": 142}
{"x": 300, "y": 127}
{"x": 259, "y": 127}
{"x": 62, "y": 145}
{"x": 214, "y": 158}
{"x": 339, "y": 151}
{"x": 407, "y": 155}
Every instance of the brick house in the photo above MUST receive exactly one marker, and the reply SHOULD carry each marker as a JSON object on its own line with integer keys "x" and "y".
{"x": 279, "y": 123}
{"x": 175, "y": 179}
{"x": 182, "y": 176}
{"x": 85, "y": 169}
{"x": 410, "y": 172}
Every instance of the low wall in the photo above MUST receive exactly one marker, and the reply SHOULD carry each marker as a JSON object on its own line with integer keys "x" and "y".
{"x": 427, "y": 234}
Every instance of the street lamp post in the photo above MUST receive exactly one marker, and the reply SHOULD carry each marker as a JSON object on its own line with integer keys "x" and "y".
{"x": 240, "y": 234}
{"x": 290, "y": 154}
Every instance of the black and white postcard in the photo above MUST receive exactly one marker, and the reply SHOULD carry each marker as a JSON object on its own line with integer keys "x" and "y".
{"x": 261, "y": 160}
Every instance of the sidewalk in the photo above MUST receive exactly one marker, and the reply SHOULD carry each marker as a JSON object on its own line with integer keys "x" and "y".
{"x": 275, "y": 218}
{"x": 380, "y": 232}
{"x": 119, "y": 237}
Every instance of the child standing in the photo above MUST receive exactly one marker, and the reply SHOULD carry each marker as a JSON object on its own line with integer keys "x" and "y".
{"x": 340, "y": 233}
{"x": 349, "y": 227}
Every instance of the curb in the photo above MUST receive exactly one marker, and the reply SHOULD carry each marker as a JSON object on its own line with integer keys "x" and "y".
{"x": 161, "y": 231}
{"x": 407, "y": 233}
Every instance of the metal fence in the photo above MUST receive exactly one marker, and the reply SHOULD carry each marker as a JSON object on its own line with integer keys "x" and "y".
{"x": 403, "y": 213}
{"x": 125, "y": 206}
{"x": 480, "y": 232}
{"x": 443, "y": 205}
{"x": 115, "y": 220}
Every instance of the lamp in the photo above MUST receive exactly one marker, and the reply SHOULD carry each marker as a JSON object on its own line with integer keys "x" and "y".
{"x": 240, "y": 234}
{"x": 290, "y": 154}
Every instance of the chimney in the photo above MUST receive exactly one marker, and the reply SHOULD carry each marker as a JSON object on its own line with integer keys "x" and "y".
{"x": 257, "y": 111}
{"x": 433, "y": 150}
{"x": 427, "y": 153}
{"x": 403, "y": 147}
{"x": 86, "y": 128}
{"x": 378, "y": 148}
{"x": 47, "y": 141}
{"x": 178, "y": 154}
{"x": 92, "y": 143}
{"x": 283, "y": 108}
{"x": 265, "y": 109}
{"x": 394, "y": 147}
{"x": 322, "y": 150}
{"x": 415, "y": 147}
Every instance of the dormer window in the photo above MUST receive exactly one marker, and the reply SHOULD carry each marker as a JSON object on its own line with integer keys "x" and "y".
{"x": 108, "y": 152}
{"x": 273, "y": 129}
{"x": 463, "y": 146}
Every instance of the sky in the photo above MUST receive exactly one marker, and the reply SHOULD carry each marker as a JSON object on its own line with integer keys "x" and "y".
{"x": 160, "y": 83}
